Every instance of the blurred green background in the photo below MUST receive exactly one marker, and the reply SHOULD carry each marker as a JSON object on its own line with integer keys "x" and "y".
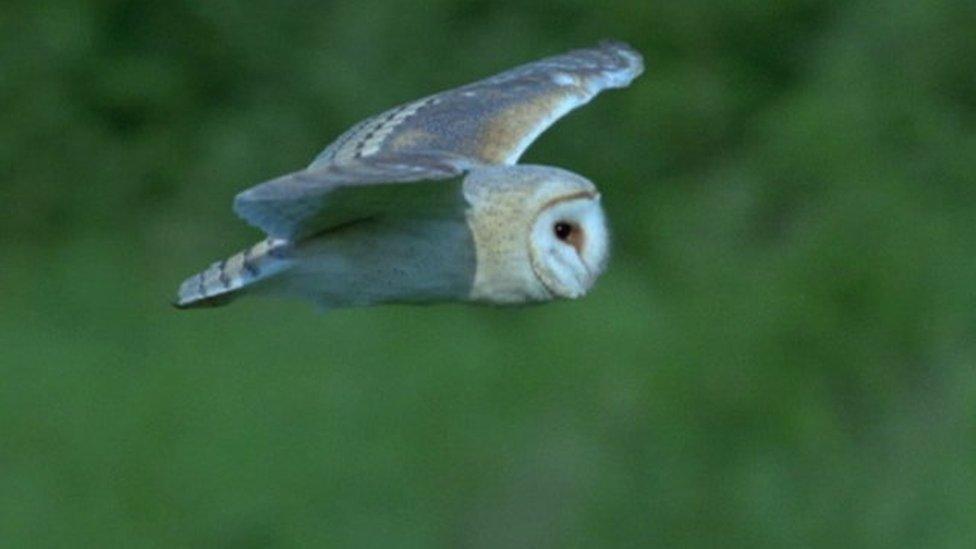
{"x": 782, "y": 353}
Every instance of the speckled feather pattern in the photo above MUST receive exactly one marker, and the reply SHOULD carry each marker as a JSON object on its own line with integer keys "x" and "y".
{"x": 495, "y": 119}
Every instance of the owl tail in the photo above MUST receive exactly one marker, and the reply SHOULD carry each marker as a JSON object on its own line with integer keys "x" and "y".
{"x": 223, "y": 281}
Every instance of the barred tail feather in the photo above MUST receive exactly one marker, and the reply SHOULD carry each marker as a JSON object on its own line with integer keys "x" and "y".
{"x": 224, "y": 280}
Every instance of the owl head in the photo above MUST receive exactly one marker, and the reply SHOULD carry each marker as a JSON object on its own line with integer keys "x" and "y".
{"x": 540, "y": 233}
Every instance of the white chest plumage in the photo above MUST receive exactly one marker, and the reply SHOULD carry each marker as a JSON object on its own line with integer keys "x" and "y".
{"x": 403, "y": 260}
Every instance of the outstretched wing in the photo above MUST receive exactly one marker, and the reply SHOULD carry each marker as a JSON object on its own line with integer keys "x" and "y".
{"x": 303, "y": 203}
{"x": 374, "y": 168}
{"x": 493, "y": 120}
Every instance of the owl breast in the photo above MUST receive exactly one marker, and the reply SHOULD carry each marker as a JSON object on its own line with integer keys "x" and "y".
{"x": 384, "y": 261}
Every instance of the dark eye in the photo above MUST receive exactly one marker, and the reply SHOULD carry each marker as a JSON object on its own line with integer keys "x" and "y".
{"x": 563, "y": 230}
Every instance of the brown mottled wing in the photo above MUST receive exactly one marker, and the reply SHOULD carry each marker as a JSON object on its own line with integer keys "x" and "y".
{"x": 493, "y": 120}
{"x": 391, "y": 164}
{"x": 310, "y": 201}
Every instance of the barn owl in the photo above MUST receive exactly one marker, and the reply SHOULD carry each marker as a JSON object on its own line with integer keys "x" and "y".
{"x": 425, "y": 202}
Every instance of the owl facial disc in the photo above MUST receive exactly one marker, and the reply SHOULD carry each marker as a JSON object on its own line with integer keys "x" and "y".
{"x": 569, "y": 244}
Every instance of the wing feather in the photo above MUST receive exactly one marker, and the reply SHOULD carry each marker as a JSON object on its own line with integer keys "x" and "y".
{"x": 395, "y": 163}
{"x": 310, "y": 201}
{"x": 493, "y": 120}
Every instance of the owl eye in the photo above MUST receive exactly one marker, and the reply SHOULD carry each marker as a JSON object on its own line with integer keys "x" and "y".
{"x": 563, "y": 230}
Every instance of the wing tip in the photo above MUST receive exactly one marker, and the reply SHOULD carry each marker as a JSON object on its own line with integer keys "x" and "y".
{"x": 187, "y": 303}
{"x": 631, "y": 59}
{"x": 202, "y": 303}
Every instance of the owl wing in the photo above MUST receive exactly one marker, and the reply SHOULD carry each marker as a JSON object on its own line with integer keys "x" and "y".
{"x": 317, "y": 199}
{"x": 391, "y": 163}
{"x": 493, "y": 120}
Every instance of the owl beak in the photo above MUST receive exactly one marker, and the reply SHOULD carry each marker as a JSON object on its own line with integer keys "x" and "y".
{"x": 590, "y": 278}
{"x": 585, "y": 279}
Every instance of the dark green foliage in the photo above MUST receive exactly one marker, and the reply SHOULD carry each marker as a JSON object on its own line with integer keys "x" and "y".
{"x": 783, "y": 352}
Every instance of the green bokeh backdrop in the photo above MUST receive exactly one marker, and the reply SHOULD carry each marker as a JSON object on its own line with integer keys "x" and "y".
{"x": 782, "y": 353}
